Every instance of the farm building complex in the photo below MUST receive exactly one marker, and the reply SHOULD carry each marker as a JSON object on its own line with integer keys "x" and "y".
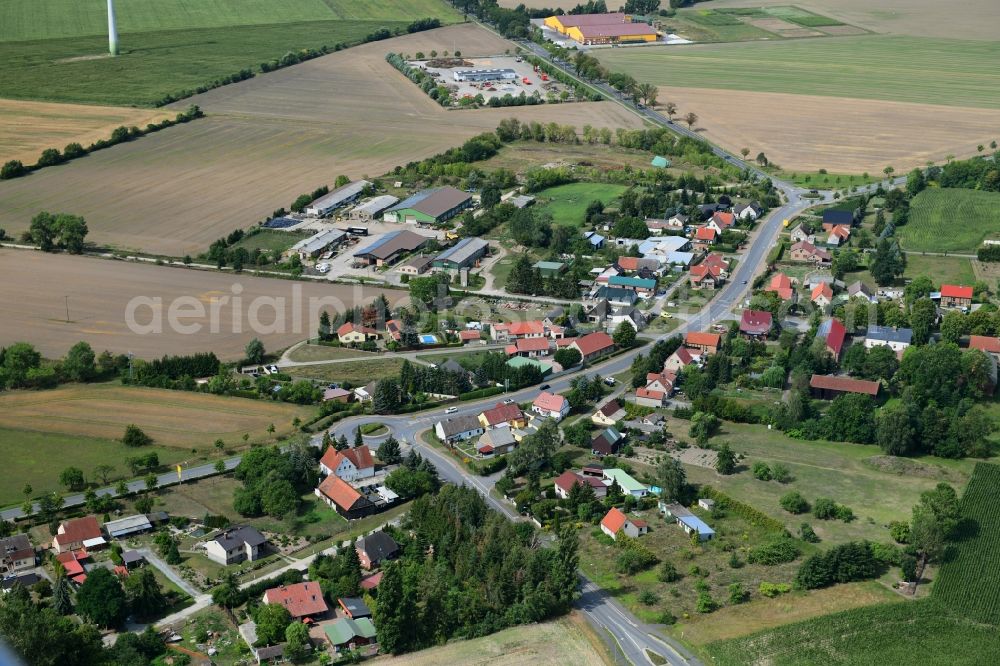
{"x": 463, "y": 254}
{"x": 432, "y": 206}
{"x": 390, "y": 247}
{"x": 601, "y": 28}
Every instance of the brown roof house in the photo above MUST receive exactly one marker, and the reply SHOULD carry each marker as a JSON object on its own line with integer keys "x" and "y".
{"x": 347, "y": 501}
{"x": 608, "y": 414}
{"x": 829, "y": 387}
{"x": 16, "y": 554}
{"x": 375, "y": 549}
{"x": 78, "y": 533}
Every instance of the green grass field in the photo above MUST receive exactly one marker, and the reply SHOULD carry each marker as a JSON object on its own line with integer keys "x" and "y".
{"x": 568, "y": 203}
{"x": 272, "y": 241}
{"x": 951, "y": 220}
{"x": 841, "y": 471}
{"x": 904, "y": 69}
{"x": 962, "y": 611}
{"x": 827, "y": 181}
{"x": 53, "y": 50}
{"x": 941, "y": 270}
{"x": 50, "y": 19}
{"x": 356, "y": 373}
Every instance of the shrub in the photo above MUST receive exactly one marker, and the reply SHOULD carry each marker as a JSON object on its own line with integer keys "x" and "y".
{"x": 807, "y": 533}
{"x": 12, "y": 169}
{"x": 761, "y": 470}
{"x": 666, "y": 617}
{"x": 648, "y": 597}
{"x": 841, "y": 564}
{"x": 908, "y": 568}
{"x": 844, "y": 513}
{"x": 780, "y": 473}
{"x": 794, "y": 502}
{"x": 772, "y": 590}
{"x": 774, "y": 552}
{"x": 825, "y": 508}
{"x": 899, "y": 531}
{"x": 705, "y": 603}
{"x": 134, "y": 436}
{"x": 668, "y": 573}
{"x": 737, "y": 595}
{"x": 887, "y": 553}
{"x": 735, "y": 562}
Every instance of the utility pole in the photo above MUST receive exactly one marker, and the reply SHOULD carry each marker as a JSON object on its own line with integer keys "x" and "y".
{"x": 67, "y": 308}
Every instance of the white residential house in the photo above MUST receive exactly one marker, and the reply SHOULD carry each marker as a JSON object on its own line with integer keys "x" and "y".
{"x": 236, "y": 544}
{"x": 350, "y": 464}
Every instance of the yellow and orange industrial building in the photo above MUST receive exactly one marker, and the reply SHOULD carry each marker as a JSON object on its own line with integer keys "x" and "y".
{"x": 601, "y": 28}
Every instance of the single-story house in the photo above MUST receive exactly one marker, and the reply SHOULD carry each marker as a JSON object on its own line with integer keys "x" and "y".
{"x": 593, "y": 345}
{"x": 806, "y": 251}
{"x": 458, "y": 428}
{"x": 721, "y": 221}
{"x": 704, "y": 276}
{"x": 551, "y": 405}
{"x": 860, "y": 289}
{"x": 415, "y": 266}
{"x": 617, "y": 295}
{"x": 375, "y": 549}
{"x": 236, "y": 544}
{"x": 833, "y": 216}
{"x": 985, "y": 343}
{"x": 680, "y": 359}
{"x": 822, "y": 295}
{"x": 337, "y": 395}
{"x": 349, "y": 464}
{"x": 615, "y": 521}
{"x": 133, "y": 559}
{"x": 351, "y": 333}
{"x": 299, "y": 599}
{"x": 548, "y": 269}
{"x": 496, "y": 442}
{"x": 644, "y": 288}
{"x": 829, "y": 387}
{"x": 347, "y": 633}
{"x": 689, "y": 522}
{"x": 628, "y": 485}
{"x": 564, "y": 484}
{"x": 747, "y": 211}
{"x": 528, "y": 347}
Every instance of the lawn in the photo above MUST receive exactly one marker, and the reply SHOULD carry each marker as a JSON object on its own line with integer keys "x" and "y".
{"x": 827, "y": 181}
{"x": 941, "y": 270}
{"x": 909, "y": 69}
{"x": 568, "y": 640}
{"x": 568, "y": 203}
{"x": 271, "y": 241}
{"x": 78, "y": 425}
{"x": 951, "y": 220}
{"x": 355, "y": 373}
{"x": 876, "y": 488}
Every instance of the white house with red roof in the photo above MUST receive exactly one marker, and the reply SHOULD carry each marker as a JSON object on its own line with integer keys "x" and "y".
{"x": 781, "y": 285}
{"x": 756, "y": 323}
{"x": 529, "y": 347}
{"x": 704, "y": 276}
{"x": 985, "y": 343}
{"x": 704, "y": 236}
{"x": 703, "y": 341}
{"x": 833, "y": 333}
{"x": 806, "y": 251}
{"x": 614, "y": 521}
{"x": 350, "y": 464}
{"x": 77, "y": 534}
{"x": 551, "y": 405}
{"x": 504, "y": 331}
{"x": 503, "y": 416}
{"x": 659, "y": 386}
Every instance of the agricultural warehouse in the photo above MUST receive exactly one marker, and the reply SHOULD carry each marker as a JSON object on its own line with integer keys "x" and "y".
{"x": 390, "y": 247}
{"x": 485, "y": 75}
{"x": 312, "y": 247}
{"x": 431, "y": 206}
{"x": 372, "y": 208}
{"x": 601, "y": 28}
{"x": 123, "y": 527}
{"x": 549, "y": 268}
{"x": 339, "y": 197}
{"x": 463, "y": 254}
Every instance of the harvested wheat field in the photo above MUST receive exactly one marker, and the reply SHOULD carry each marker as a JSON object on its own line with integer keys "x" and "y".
{"x": 177, "y": 419}
{"x": 810, "y": 132}
{"x": 28, "y": 128}
{"x": 34, "y": 288}
{"x": 267, "y": 140}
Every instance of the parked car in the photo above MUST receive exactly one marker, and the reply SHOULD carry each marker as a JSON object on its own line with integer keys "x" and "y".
{"x": 610, "y": 381}
{"x": 544, "y": 387}
{"x": 323, "y": 268}
{"x": 451, "y": 410}
{"x": 273, "y": 369}
{"x": 509, "y": 401}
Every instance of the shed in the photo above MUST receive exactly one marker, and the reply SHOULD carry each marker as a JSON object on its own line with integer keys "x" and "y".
{"x": 125, "y": 526}
{"x": 660, "y": 162}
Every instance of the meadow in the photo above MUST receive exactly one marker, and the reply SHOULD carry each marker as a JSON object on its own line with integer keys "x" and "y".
{"x": 900, "y": 69}
{"x": 941, "y": 270}
{"x": 46, "y": 431}
{"x": 951, "y": 220}
{"x": 962, "y": 610}
{"x": 568, "y": 203}
{"x": 355, "y": 373}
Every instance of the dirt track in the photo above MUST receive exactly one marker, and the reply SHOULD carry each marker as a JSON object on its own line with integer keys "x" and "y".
{"x": 34, "y": 287}
{"x": 266, "y": 141}
{"x": 808, "y": 132}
